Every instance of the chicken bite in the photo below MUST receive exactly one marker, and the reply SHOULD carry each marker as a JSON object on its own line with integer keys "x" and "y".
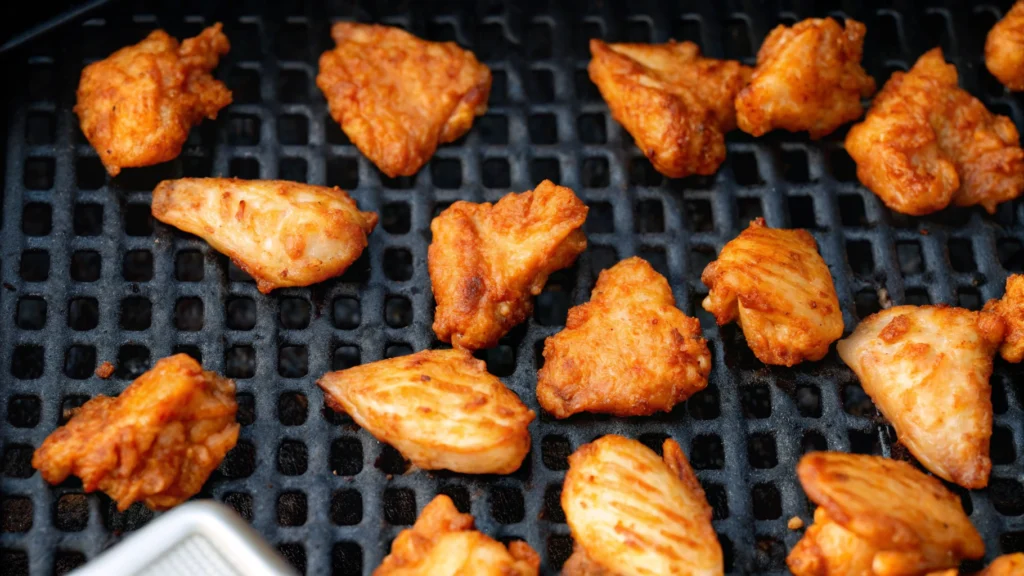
{"x": 136, "y": 106}
{"x": 1011, "y": 309}
{"x": 776, "y": 285}
{"x": 808, "y": 78}
{"x": 281, "y": 233}
{"x": 157, "y": 442}
{"x": 675, "y": 103}
{"x": 1006, "y": 565}
{"x": 627, "y": 352}
{"x": 926, "y": 143}
{"x": 487, "y": 262}
{"x": 1004, "y": 48}
{"x": 397, "y": 97}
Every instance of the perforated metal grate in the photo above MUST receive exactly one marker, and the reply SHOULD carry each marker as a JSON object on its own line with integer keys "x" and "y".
{"x": 88, "y": 277}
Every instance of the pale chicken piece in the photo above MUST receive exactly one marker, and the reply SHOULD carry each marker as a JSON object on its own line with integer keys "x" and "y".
{"x": 633, "y": 513}
{"x": 488, "y": 262}
{"x": 1004, "y": 48}
{"x": 1011, "y": 309}
{"x": 443, "y": 542}
{"x": 440, "y": 408}
{"x": 927, "y": 370}
{"x": 776, "y": 285}
{"x": 281, "y": 233}
{"x": 627, "y": 352}
{"x": 879, "y": 517}
{"x": 808, "y": 78}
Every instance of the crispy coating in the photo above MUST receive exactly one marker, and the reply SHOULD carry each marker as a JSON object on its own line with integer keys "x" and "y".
{"x": 1006, "y": 565}
{"x": 926, "y": 142}
{"x": 1004, "y": 48}
{"x": 443, "y": 542}
{"x": 776, "y": 285}
{"x": 927, "y": 369}
{"x": 105, "y": 370}
{"x": 398, "y": 97}
{"x": 157, "y": 442}
{"x": 440, "y": 408}
{"x": 1011, "y": 309}
{"x": 488, "y": 262}
{"x": 137, "y": 106}
{"x": 627, "y": 352}
{"x": 281, "y": 233}
{"x": 808, "y": 78}
{"x": 879, "y": 517}
{"x": 633, "y": 513}
{"x": 676, "y": 103}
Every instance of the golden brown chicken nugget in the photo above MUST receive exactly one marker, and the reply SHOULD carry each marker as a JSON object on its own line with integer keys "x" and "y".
{"x": 1006, "y": 565}
{"x": 627, "y": 352}
{"x": 676, "y": 104}
{"x": 137, "y": 106}
{"x": 488, "y": 262}
{"x": 398, "y": 97}
{"x": 1004, "y": 48}
{"x": 157, "y": 442}
{"x": 1011, "y": 309}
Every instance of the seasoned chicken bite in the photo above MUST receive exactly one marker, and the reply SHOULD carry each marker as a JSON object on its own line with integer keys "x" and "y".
{"x": 396, "y": 96}
{"x": 627, "y": 352}
{"x": 136, "y": 106}
{"x": 927, "y": 369}
{"x": 776, "y": 285}
{"x": 1010, "y": 308}
{"x": 1006, "y": 565}
{"x": 631, "y": 512}
{"x": 281, "y": 233}
{"x": 1004, "y": 48}
{"x": 443, "y": 542}
{"x": 157, "y": 442}
{"x": 879, "y": 517}
{"x": 926, "y": 142}
{"x": 488, "y": 262}
{"x": 808, "y": 78}
{"x": 440, "y": 408}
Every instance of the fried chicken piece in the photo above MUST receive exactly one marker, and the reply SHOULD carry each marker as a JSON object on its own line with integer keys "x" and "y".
{"x": 676, "y": 104}
{"x": 1011, "y": 309}
{"x": 627, "y": 352}
{"x": 443, "y": 542}
{"x": 488, "y": 262}
{"x": 397, "y": 97}
{"x": 137, "y": 106}
{"x": 879, "y": 517}
{"x": 926, "y": 142}
{"x": 157, "y": 442}
{"x": 927, "y": 369}
{"x": 1004, "y": 48}
{"x": 281, "y": 233}
{"x": 440, "y": 408}
{"x": 776, "y": 285}
{"x": 631, "y": 512}
{"x": 1005, "y": 565}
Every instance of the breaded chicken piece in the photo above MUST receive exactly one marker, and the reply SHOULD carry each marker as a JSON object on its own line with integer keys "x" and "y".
{"x": 631, "y": 512}
{"x": 157, "y": 442}
{"x": 879, "y": 517}
{"x": 443, "y": 542}
{"x": 1004, "y": 48}
{"x": 397, "y": 97}
{"x": 1006, "y": 565}
{"x": 808, "y": 78}
{"x": 137, "y": 106}
{"x": 1011, "y": 309}
{"x": 281, "y": 233}
{"x": 488, "y": 262}
{"x": 627, "y": 352}
{"x": 927, "y": 369}
{"x": 676, "y": 103}
{"x": 440, "y": 408}
{"x": 776, "y": 285}
{"x": 925, "y": 143}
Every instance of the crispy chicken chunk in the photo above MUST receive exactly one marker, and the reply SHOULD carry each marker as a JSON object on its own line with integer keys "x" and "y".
{"x": 633, "y": 513}
{"x": 926, "y": 142}
{"x": 1004, "y": 48}
{"x": 488, "y": 262}
{"x": 808, "y": 78}
{"x": 281, "y": 233}
{"x": 398, "y": 97}
{"x": 440, "y": 408}
{"x": 927, "y": 369}
{"x": 137, "y": 106}
{"x": 627, "y": 352}
{"x": 443, "y": 542}
{"x": 676, "y": 103}
{"x": 1006, "y": 565}
{"x": 1011, "y": 309}
{"x": 157, "y": 442}
{"x": 777, "y": 286}
{"x": 879, "y": 517}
